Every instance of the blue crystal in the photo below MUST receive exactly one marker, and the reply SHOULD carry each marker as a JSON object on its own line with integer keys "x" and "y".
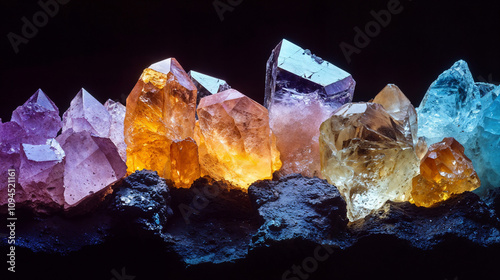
{"x": 455, "y": 106}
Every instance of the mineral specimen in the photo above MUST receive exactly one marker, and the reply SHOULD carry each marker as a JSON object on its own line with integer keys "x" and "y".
{"x": 399, "y": 107}
{"x": 39, "y": 117}
{"x": 116, "y": 130}
{"x": 207, "y": 85}
{"x": 489, "y": 143}
{"x": 445, "y": 170}
{"x": 302, "y": 91}
{"x": 41, "y": 177}
{"x": 92, "y": 164}
{"x": 365, "y": 154}
{"x": 185, "y": 164}
{"x": 235, "y": 139}
{"x": 455, "y": 106}
{"x": 160, "y": 109}
{"x": 87, "y": 114}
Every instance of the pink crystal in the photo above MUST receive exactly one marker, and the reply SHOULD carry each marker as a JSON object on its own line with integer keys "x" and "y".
{"x": 92, "y": 165}
{"x": 116, "y": 131}
{"x": 39, "y": 117}
{"x": 87, "y": 114}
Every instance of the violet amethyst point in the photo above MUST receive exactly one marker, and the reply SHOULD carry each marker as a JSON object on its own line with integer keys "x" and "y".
{"x": 39, "y": 117}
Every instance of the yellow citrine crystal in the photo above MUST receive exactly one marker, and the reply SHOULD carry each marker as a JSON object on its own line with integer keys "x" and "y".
{"x": 160, "y": 109}
{"x": 235, "y": 141}
{"x": 444, "y": 170}
{"x": 366, "y": 155}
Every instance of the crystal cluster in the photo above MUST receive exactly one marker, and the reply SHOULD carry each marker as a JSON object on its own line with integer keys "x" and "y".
{"x": 445, "y": 170}
{"x": 236, "y": 142}
{"x": 365, "y": 153}
{"x": 455, "y": 106}
{"x": 232, "y": 140}
{"x": 188, "y": 125}
{"x": 60, "y": 171}
{"x": 302, "y": 91}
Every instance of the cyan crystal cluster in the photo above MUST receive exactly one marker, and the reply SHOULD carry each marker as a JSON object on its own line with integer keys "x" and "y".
{"x": 456, "y": 106}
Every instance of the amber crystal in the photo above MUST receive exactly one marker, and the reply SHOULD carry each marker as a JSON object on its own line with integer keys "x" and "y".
{"x": 185, "y": 165}
{"x": 160, "y": 109}
{"x": 235, "y": 140}
{"x": 444, "y": 170}
{"x": 401, "y": 110}
{"x": 367, "y": 157}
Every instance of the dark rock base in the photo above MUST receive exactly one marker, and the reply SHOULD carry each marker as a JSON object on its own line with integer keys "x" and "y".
{"x": 212, "y": 232}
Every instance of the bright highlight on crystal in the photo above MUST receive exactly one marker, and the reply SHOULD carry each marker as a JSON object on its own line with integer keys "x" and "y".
{"x": 160, "y": 109}
{"x": 236, "y": 142}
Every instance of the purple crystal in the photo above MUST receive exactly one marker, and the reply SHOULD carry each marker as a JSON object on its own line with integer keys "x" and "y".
{"x": 92, "y": 164}
{"x": 11, "y": 137}
{"x": 116, "y": 131}
{"x": 41, "y": 177}
{"x": 39, "y": 117}
{"x": 87, "y": 114}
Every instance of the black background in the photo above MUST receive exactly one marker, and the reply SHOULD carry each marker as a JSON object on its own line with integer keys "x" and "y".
{"x": 103, "y": 46}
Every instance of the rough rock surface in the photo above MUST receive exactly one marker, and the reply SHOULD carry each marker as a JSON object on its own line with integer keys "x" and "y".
{"x": 297, "y": 207}
{"x": 464, "y": 217}
{"x": 458, "y": 238}
{"x": 144, "y": 200}
{"x": 212, "y": 223}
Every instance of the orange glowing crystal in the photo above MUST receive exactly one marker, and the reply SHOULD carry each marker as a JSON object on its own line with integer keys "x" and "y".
{"x": 160, "y": 109}
{"x": 185, "y": 165}
{"x": 235, "y": 141}
{"x": 444, "y": 170}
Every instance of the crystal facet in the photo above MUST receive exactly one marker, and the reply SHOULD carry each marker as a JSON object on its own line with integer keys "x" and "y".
{"x": 455, "y": 106}
{"x": 39, "y": 117}
{"x": 236, "y": 142}
{"x": 92, "y": 164}
{"x": 401, "y": 110}
{"x": 185, "y": 164}
{"x": 445, "y": 170}
{"x": 87, "y": 114}
{"x": 116, "y": 131}
{"x": 41, "y": 176}
{"x": 160, "y": 109}
{"x": 207, "y": 85}
{"x": 367, "y": 157}
{"x": 302, "y": 91}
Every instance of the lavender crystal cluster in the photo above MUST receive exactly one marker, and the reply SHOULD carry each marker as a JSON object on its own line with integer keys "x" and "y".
{"x": 62, "y": 171}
